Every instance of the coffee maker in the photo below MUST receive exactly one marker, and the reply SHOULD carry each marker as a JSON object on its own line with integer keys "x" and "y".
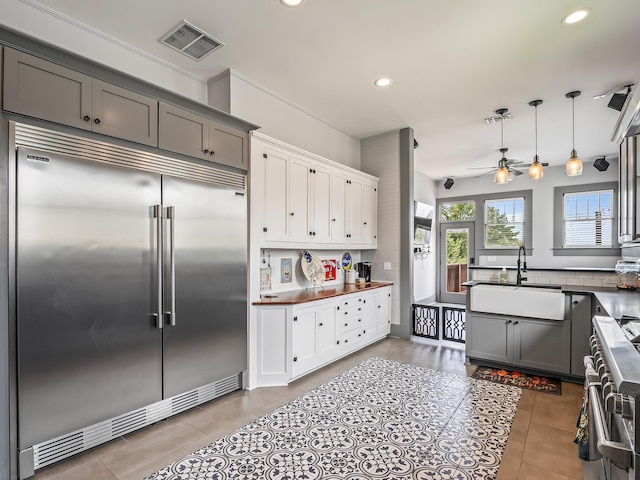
{"x": 364, "y": 270}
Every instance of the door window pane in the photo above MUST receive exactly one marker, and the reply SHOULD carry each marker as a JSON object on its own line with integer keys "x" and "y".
{"x": 457, "y": 259}
{"x": 456, "y": 211}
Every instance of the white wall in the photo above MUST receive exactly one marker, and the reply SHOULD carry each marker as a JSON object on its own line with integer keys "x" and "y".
{"x": 282, "y": 120}
{"x": 67, "y": 34}
{"x": 543, "y": 209}
{"x": 424, "y": 268}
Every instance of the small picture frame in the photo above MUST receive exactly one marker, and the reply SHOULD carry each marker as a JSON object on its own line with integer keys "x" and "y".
{"x": 330, "y": 267}
{"x": 286, "y": 275}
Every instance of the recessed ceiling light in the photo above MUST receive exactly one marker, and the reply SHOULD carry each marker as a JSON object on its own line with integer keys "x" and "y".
{"x": 383, "y": 82}
{"x": 291, "y": 3}
{"x": 575, "y": 17}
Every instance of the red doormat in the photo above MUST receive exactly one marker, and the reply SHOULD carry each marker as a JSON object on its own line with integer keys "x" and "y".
{"x": 519, "y": 379}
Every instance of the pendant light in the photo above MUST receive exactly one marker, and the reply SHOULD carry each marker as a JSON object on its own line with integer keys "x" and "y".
{"x": 574, "y": 164}
{"x": 502, "y": 173}
{"x": 535, "y": 170}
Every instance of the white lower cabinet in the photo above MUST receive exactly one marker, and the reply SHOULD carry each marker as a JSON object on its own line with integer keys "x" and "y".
{"x": 295, "y": 339}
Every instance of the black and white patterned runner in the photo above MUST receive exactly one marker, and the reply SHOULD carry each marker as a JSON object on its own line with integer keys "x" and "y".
{"x": 381, "y": 419}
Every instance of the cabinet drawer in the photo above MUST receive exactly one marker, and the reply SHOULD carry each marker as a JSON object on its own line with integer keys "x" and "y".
{"x": 350, "y": 312}
{"x": 350, "y": 323}
{"x": 350, "y": 302}
{"x": 351, "y": 338}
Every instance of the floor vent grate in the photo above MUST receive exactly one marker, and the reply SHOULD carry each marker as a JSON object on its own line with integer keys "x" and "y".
{"x": 67, "y": 445}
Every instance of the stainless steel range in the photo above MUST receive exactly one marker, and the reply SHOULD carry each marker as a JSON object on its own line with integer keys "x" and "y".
{"x": 613, "y": 378}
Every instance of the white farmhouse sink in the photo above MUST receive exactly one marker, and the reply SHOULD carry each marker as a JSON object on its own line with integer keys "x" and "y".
{"x": 530, "y": 302}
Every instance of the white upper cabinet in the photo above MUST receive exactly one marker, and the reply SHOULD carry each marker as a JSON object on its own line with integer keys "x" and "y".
{"x": 275, "y": 199}
{"x": 299, "y": 199}
{"x": 321, "y": 204}
{"x": 304, "y": 201}
{"x": 370, "y": 213}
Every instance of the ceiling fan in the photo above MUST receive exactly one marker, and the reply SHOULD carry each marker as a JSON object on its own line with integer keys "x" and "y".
{"x": 506, "y": 166}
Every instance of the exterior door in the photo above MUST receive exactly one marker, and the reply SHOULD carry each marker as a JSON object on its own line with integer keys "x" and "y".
{"x": 207, "y": 339}
{"x": 89, "y": 347}
{"x": 457, "y": 247}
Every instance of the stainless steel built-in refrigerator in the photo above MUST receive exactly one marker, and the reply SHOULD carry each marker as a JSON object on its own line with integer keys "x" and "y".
{"x": 131, "y": 286}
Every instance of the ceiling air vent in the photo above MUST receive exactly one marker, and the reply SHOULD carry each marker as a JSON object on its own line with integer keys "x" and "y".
{"x": 191, "y": 41}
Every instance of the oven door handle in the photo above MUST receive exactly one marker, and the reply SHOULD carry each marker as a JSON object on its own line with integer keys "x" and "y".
{"x": 617, "y": 452}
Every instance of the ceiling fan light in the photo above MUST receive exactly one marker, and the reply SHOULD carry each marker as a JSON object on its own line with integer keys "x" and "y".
{"x": 574, "y": 165}
{"x": 536, "y": 171}
{"x": 502, "y": 175}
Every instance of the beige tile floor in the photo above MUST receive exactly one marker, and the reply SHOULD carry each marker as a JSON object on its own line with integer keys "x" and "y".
{"x": 540, "y": 445}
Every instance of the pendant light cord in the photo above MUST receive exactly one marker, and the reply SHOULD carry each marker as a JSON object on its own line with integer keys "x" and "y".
{"x": 536, "y": 132}
{"x": 573, "y": 128}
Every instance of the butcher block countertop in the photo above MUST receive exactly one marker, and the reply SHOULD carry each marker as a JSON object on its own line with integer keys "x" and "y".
{"x": 309, "y": 295}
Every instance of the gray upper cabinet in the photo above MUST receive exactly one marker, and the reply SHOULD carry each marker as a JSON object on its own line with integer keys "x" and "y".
{"x": 121, "y": 113}
{"x": 42, "y": 89}
{"x": 185, "y": 132}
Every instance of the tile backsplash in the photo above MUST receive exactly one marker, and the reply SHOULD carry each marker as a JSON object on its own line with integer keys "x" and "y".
{"x": 549, "y": 277}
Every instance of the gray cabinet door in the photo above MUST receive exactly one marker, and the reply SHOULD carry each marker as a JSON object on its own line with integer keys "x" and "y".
{"x": 542, "y": 344}
{"x": 121, "y": 113}
{"x": 228, "y": 146}
{"x": 489, "y": 338}
{"x": 42, "y": 89}
{"x": 580, "y": 332}
{"x": 183, "y": 132}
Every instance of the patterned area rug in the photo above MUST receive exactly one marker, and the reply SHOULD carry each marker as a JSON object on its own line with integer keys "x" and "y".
{"x": 381, "y": 419}
{"x": 519, "y": 379}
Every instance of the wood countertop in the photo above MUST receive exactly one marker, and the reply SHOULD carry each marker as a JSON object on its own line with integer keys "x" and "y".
{"x": 309, "y": 295}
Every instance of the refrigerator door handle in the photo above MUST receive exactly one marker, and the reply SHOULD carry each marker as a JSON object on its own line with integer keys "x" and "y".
{"x": 170, "y": 215}
{"x": 157, "y": 214}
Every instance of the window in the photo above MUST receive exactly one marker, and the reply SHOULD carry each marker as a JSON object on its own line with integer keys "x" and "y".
{"x": 504, "y": 223}
{"x": 501, "y": 220}
{"x": 588, "y": 219}
{"x": 584, "y": 220}
{"x": 457, "y": 211}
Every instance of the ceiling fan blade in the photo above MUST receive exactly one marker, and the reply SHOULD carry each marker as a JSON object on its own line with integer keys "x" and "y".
{"x": 515, "y": 172}
{"x": 479, "y": 168}
{"x": 486, "y": 173}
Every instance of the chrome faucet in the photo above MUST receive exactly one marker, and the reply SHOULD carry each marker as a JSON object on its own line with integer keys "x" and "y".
{"x": 522, "y": 270}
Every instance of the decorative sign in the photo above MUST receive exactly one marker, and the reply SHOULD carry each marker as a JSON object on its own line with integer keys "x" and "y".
{"x": 346, "y": 263}
{"x": 285, "y": 271}
{"x": 265, "y": 278}
{"x": 330, "y": 268}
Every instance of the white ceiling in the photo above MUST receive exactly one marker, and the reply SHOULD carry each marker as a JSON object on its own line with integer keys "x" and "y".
{"x": 453, "y": 64}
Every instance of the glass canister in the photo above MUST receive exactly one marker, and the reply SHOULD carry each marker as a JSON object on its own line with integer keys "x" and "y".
{"x": 627, "y": 274}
